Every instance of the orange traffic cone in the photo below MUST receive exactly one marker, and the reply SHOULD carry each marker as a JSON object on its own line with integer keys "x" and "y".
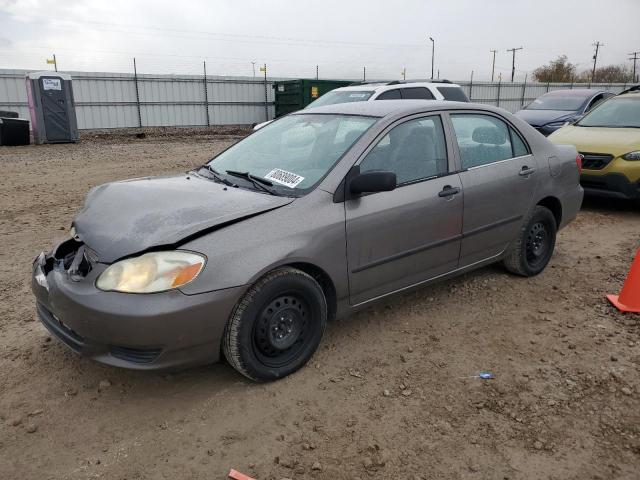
{"x": 629, "y": 298}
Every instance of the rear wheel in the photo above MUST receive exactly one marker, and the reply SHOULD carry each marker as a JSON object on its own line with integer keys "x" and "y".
{"x": 276, "y": 326}
{"x": 532, "y": 250}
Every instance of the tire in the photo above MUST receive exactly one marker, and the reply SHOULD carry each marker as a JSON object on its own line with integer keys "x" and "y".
{"x": 276, "y": 326}
{"x": 533, "y": 248}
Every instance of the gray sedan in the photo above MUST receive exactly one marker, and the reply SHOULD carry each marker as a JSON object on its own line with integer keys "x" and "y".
{"x": 319, "y": 214}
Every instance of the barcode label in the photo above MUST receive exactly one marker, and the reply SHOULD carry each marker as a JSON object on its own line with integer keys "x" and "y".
{"x": 283, "y": 177}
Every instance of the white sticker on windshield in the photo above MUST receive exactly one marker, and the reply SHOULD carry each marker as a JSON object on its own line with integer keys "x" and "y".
{"x": 283, "y": 177}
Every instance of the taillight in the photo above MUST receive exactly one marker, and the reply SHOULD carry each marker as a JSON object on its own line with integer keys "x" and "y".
{"x": 579, "y": 162}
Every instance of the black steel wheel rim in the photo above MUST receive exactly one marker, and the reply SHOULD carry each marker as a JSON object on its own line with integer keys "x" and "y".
{"x": 537, "y": 244}
{"x": 283, "y": 329}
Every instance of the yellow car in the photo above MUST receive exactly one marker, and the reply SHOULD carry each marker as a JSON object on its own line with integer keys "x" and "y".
{"x": 608, "y": 138}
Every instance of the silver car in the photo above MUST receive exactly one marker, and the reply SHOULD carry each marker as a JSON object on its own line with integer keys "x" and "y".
{"x": 319, "y": 214}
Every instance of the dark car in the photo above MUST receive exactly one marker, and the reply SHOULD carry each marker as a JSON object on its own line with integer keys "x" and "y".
{"x": 552, "y": 110}
{"x": 313, "y": 217}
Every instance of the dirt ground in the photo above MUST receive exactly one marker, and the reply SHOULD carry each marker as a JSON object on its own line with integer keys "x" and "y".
{"x": 387, "y": 395}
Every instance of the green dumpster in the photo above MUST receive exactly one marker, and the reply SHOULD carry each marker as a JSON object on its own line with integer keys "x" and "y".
{"x": 292, "y": 95}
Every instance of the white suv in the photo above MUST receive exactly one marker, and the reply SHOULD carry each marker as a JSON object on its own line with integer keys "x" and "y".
{"x": 395, "y": 90}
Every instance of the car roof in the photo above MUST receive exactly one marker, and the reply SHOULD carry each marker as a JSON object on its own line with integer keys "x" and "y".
{"x": 384, "y": 108}
{"x": 576, "y": 92}
{"x": 382, "y": 86}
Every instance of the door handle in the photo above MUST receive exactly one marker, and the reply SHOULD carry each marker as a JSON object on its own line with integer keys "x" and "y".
{"x": 526, "y": 171}
{"x": 448, "y": 190}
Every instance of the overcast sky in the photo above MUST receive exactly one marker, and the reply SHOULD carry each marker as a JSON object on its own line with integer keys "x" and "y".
{"x": 293, "y": 36}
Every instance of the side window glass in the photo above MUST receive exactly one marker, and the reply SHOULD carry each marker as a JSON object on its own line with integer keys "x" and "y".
{"x": 597, "y": 100}
{"x": 519, "y": 147}
{"x": 482, "y": 139}
{"x": 389, "y": 95}
{"x": 414, "y": 151}
{"x": 419, "y": 93}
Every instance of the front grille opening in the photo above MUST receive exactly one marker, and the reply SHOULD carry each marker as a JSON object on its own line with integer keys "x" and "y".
{"x": 595, "y": 161}
{"x": 135, "y": 355}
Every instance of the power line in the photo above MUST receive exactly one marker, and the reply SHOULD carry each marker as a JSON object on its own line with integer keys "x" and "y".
{"x": 513, "y": 62}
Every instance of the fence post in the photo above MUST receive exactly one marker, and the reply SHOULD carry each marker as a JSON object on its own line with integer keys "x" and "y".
{"x": 471, "y": 87}
{"x": 135, "y": 80}
{"x": 206, "y": 94}
{"x": 524, "y": 87}
{"x": 547, "y": 85}
{"x": 499, "y": 86}
{"x": 266, "y": 100}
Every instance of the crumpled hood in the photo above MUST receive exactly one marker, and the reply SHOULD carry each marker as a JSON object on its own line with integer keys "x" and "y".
{"x": 123, "y": 218}
{"x": 538, "y": 118}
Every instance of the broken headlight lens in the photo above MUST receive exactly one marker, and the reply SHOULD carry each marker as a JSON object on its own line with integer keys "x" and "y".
{"x": 152, "y": 272}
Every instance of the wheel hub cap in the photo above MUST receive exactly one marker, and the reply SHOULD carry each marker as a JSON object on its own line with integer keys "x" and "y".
{"x": 284, "y": 329}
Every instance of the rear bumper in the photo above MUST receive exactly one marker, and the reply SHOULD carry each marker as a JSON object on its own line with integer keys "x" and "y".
{"x": 615, "y": 185}
{"x": 143, "y": 331}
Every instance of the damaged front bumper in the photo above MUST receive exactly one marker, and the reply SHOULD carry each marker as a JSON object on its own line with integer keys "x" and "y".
{"x": 139, "y": 331}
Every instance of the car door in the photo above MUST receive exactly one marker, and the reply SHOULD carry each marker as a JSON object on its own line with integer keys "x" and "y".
{"x": 498, "y": 175}
{"x": 403, "y": 237}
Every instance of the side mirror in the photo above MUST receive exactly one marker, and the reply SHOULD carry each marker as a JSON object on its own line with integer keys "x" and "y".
{"x": 374, "y": 181}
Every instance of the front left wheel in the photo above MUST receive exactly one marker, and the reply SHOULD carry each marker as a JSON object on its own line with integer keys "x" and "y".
{"x": 276, "y": 326}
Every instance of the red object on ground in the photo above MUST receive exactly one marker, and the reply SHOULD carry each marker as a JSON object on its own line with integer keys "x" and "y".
{"x": 629, "y": 298}
{"x": 239, "y": 476}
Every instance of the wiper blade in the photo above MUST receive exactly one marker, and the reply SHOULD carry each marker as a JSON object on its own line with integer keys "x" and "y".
{"x": 217, "y": 175}
{"x": 257, "y": 181}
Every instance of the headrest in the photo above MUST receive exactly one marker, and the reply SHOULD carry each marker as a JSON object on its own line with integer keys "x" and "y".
{"x": 489, "y": 135}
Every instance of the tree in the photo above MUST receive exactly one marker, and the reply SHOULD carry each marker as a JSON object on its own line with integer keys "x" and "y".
{"x": 558, "y": 70}
{"x": 608, "y": 74}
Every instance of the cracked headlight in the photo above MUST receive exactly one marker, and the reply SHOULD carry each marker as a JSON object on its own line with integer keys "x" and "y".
{"x": 152, "y": 272}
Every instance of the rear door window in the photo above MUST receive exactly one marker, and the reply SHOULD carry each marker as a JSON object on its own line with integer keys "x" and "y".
{"x": 454, "y": 94}
{"x": 519, "y": 147}
{"x": 389, "y": 95}
{"x": 417, "y": 93}
{"x": 482, "y": 139}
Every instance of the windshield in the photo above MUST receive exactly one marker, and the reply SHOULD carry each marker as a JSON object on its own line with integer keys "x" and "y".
{"x": 341, "y": 96}
{"x": 292, "y": 153}
{"x": 618, "y": 112}
{"x": 570, "y": 103}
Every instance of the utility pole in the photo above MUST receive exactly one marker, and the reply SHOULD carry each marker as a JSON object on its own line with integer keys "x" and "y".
{"x": 595, "y": 58}
{"x": 635, "y": 59}
{"x": 433, "y": 51}
{"x": 206, "y": 94}
{"x": 404, "y": 73}
{"x": 317, "y": 72}
{"x": 513, "y": 62}
{"x": 55, "y": 62}
{"x": 135, "y": 80}
{"x": 266, "y": 103}
{"x": 493, "y": 64}
{"x": 364, "y": 74}
{"x": 253, "y": 67}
